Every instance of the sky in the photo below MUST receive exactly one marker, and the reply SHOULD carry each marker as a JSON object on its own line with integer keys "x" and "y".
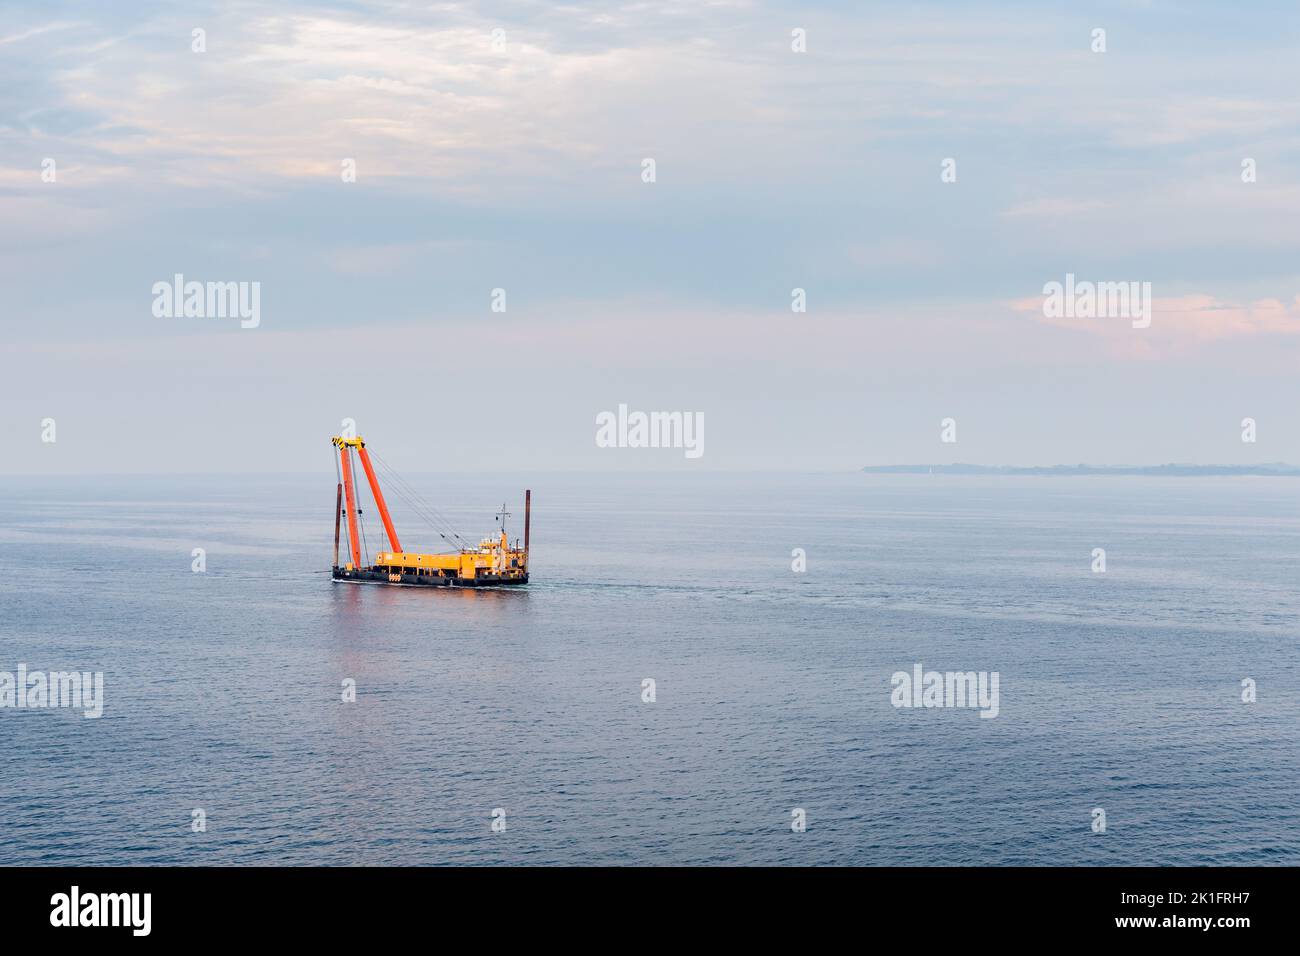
{"x": 503, "y": 146}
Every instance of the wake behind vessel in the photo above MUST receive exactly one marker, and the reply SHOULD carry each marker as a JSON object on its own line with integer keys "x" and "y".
{"x": 491, "y": 562}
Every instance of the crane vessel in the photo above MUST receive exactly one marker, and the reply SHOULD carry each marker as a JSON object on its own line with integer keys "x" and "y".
{"x": 491, "y": 562}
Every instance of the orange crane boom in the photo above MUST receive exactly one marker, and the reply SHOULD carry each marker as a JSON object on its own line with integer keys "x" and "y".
{"x": 353, "y": 538}
{"x": 379, "y": 498}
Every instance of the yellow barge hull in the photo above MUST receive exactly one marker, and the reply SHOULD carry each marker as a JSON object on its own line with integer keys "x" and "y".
{"x": 378, "y": 575}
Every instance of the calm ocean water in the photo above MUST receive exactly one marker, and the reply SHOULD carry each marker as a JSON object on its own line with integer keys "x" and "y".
{"x": 1119, "y": 690}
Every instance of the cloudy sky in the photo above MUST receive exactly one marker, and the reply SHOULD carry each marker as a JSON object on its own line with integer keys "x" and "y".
{"x": 514, "y": 160}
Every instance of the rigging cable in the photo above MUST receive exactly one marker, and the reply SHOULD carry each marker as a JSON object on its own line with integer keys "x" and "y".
{"x": 427, "y": 512}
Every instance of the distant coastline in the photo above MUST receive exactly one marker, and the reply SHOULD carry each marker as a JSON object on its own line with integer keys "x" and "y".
{"x": 1268, "y": 469}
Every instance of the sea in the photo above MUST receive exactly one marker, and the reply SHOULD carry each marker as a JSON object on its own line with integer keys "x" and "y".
{"x": 703, "y": 670}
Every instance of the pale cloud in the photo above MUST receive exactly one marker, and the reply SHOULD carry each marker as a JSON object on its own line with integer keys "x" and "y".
{"x": 386, "y": 258}
{"x": 902, "y": 252}
{"x": 69, "y": 176}
{"x": 284, "y": 95}
{"x": 1187, "y": 119}
{"x": 1055, "y": 207}
{"x": 1180, "y": 324}
{"x": 36, "y": 218}
{"x": 288, "y": 97}
{"x": 38, "y": 31}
